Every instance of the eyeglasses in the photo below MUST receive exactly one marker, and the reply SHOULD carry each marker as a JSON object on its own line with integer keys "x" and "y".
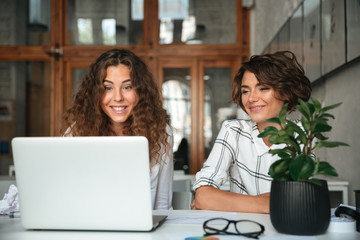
{"x": 245, "y": 228}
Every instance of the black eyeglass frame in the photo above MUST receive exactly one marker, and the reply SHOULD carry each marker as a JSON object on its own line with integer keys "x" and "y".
{"x": 223, "y": 231}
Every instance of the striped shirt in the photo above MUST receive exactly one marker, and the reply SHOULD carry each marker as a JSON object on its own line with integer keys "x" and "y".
{"x": 238, "y": 155}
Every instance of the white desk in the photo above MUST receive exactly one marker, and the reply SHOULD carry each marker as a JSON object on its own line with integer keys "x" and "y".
{"x": 11, "y": 229}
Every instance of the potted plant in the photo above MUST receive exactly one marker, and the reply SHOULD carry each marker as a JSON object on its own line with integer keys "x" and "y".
{"x": 299, "y": 202}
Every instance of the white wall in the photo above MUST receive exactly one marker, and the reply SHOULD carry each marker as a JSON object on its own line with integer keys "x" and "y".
{"x": 267, "y": 17}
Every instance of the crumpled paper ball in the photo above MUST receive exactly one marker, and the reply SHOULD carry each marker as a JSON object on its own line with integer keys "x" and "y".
{"x": 10, "y": 202}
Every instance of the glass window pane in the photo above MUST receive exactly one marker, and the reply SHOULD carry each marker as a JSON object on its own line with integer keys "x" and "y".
{"x": 24, "y": 104}
{"x": 25, "y": 22}
{"x": 113, "y": 22}
{"x": 197, "y": 21}
{"x": 108, "y": 27}
{"x": 218, "y": 106}
{"x": 85, "y": 31}
{"x": 177, "y": 99}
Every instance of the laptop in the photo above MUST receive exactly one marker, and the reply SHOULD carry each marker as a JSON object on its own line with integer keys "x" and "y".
{"x": 84, "y": 183}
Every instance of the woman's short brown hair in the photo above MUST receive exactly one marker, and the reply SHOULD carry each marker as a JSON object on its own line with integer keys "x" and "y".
{"x": 280, "y": 71}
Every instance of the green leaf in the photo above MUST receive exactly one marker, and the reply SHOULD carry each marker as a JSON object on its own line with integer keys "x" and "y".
{"x": 311, "y": 107}
{"x": 298, "y": 130}
{"x": 274, "y": 139}
{"x": 283, "y": 133}
{"x": 283, "y": 155}
{"x": 324, "y": 109}
{"x": 319, "y": 121}
{"x": 316, "y": 181}
{"x": 294, "y": 144}
{"x": 321, "y": 144}
{"x": 279, "y": 170}
{"x": 303, "y": 108}
{"x": 317, "y": 105}
{"x": 322, "y": 128}
{"x": 281, "y": 152}
{"x": 325, "y": 168}
{"x": 305, "y": 123}
{"x": 302, "y": 167}
{"x": 280, "y": 139}
{"x": 282, "y": 114}
{"x": 327, "y": 116}
{"x": 308, "y": 108}
{"x": 289, "y": 131}
{"x": 302, "y": 111}
{"x": 268, "y": 131}
{"x": 319, "y": 136}
{"x": 274, "y": 120}
{"x": 281, "y": 166}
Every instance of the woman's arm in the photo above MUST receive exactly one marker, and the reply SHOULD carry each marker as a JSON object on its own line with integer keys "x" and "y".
{"x": 216, "y": 171}
{"x": 210, "y": 198}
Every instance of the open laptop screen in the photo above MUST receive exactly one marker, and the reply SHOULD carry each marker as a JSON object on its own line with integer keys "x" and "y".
{"x": 84, "y": 183}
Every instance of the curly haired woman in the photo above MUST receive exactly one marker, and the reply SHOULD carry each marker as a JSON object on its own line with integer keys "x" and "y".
{"x": 118, "y": 97}
{"x": 261, "y": 87}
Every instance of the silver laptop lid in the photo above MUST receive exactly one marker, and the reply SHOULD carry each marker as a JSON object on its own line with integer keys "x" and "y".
{"x": 83, "y": 183}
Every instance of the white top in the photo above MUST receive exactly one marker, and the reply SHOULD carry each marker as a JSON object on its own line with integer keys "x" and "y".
{"x": 161, "y": 178}
{"x": 240, "y": 156}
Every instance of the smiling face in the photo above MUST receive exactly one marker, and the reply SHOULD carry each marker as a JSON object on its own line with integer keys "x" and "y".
{"x": 119, "y": 98}
{"x": 259, "y": 100}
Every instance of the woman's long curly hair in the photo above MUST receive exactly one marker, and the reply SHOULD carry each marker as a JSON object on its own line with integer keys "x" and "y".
{"x": 86, "y": 118}
{"x": 279, "y": 70}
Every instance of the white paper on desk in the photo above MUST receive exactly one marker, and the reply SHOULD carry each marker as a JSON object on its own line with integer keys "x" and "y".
{"x": 197, "y": 218}
{"x": 10, "y": 203}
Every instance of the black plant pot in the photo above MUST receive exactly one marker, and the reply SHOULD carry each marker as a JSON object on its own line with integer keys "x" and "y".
{"x": 299, "y": 208}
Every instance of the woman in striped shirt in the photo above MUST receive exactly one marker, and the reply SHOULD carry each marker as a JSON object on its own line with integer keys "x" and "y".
{"x": 261, "y": 87}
